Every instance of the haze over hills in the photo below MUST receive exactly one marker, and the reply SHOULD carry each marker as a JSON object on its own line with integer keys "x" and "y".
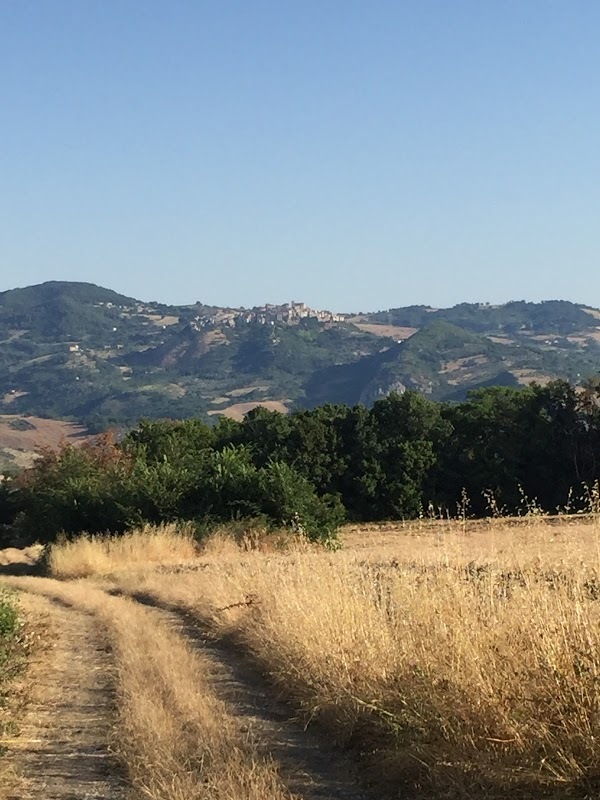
{"x": 82, "y": 353}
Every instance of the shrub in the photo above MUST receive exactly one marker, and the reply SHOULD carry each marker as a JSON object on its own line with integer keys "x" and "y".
{"x": 101, "y": 487}
{"x": 291, "y": 500}
{"x": 21, "y": 424}
{"x": 10, "y": 640}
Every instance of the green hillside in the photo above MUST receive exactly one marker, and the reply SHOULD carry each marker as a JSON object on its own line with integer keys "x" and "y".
{"x": 550, "y": 316}
{"x": 80, "y": 352}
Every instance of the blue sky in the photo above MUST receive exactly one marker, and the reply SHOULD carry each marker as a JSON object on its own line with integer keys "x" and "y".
{"x": 354, "y": 155}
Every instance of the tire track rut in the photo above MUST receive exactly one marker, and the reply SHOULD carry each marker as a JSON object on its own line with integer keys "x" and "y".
{"x": 310, "y": 767}
{"x": 62, "y": 751}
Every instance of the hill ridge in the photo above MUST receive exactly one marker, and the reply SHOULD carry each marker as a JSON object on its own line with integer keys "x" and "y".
{"x": 84, "y": 353}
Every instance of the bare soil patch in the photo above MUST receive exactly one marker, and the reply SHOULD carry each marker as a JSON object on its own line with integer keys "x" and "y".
{"x": 243, "y": 390}
{"x": 593, "y": 312}
{"x": 10, "y": 397}
{"x": 526, "y": 376}
{"x": 212, "y": 338}
{"x": 159, "y": 320}
{"x": 465, "y": 362}
{"x": 501, "y": 339}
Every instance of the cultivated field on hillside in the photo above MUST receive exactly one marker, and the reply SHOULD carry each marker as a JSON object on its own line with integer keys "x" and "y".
{"x": 397, "y": 332}
{"x": 33, "y": 433}
{"x": 238, "y": 411}
{"x": 21, "y": 438}
{"x": 452, "y": 659}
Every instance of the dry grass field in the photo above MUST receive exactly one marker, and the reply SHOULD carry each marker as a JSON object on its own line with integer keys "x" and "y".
{"x": 22, "y": 438}
{"x": 101, "y": 555}
{"x": 39, "y": 433}
{"x": 391, "y": 331}
{"x": 451, "y": 659}
{"x": 238, "y": 411}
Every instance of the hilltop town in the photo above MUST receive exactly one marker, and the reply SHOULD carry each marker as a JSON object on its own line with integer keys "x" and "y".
{"x": 269, "y": 314}
{"x": 211, "y": 317}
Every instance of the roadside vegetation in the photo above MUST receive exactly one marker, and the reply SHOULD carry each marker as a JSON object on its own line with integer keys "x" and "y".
{"x": 13, "y": 651}
{"x": 10, "y": 640}
{"x": 101, "y": 555}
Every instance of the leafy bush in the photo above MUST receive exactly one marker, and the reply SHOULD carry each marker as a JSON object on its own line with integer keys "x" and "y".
{"x": 291, "y": 500}
{"x": 105, "y": 487}
{"x": 10, "y": 641}
{"x": 72, "y": 490}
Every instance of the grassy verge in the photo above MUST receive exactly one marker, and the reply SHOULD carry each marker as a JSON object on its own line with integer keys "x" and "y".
{"x": 14, "y": 645}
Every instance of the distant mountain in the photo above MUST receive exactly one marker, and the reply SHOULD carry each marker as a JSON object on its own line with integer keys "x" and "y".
{"x": 78, "y": 352}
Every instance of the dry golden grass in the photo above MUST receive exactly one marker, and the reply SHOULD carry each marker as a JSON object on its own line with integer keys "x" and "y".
{"x": 103, "y": 554}
{"x": 466, "y": 659}
{"x": 503, "y": 542}
{"x": 393, "y": 331}
{"x": 176, "y": 738}
{"x": 42, "y": 433}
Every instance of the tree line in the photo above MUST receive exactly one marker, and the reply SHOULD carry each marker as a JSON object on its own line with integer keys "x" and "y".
{"x": 502, "y": 448}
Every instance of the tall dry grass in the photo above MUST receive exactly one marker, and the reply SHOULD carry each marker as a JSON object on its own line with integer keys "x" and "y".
{"x": 466, "y": 666}
{"x": 176, "y": 738}
{"x": 102, "y": 554}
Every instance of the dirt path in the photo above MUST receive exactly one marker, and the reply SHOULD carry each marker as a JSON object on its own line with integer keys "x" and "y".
{"x": 311, "y": 768}
{"x": 62, "y": 751}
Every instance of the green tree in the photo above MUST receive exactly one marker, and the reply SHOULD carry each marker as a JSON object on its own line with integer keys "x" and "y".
{"x": 173, "y": 440}
{"x": 354, "y": 462}
{"x": 410, "y": 432}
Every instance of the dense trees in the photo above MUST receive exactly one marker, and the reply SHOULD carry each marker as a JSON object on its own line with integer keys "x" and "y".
{"x": 538, "y": 442}
{"x": 307, "y": 470}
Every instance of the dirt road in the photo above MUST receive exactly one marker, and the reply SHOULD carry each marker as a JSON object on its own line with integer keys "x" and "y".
{"x": 120, "y": 675}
